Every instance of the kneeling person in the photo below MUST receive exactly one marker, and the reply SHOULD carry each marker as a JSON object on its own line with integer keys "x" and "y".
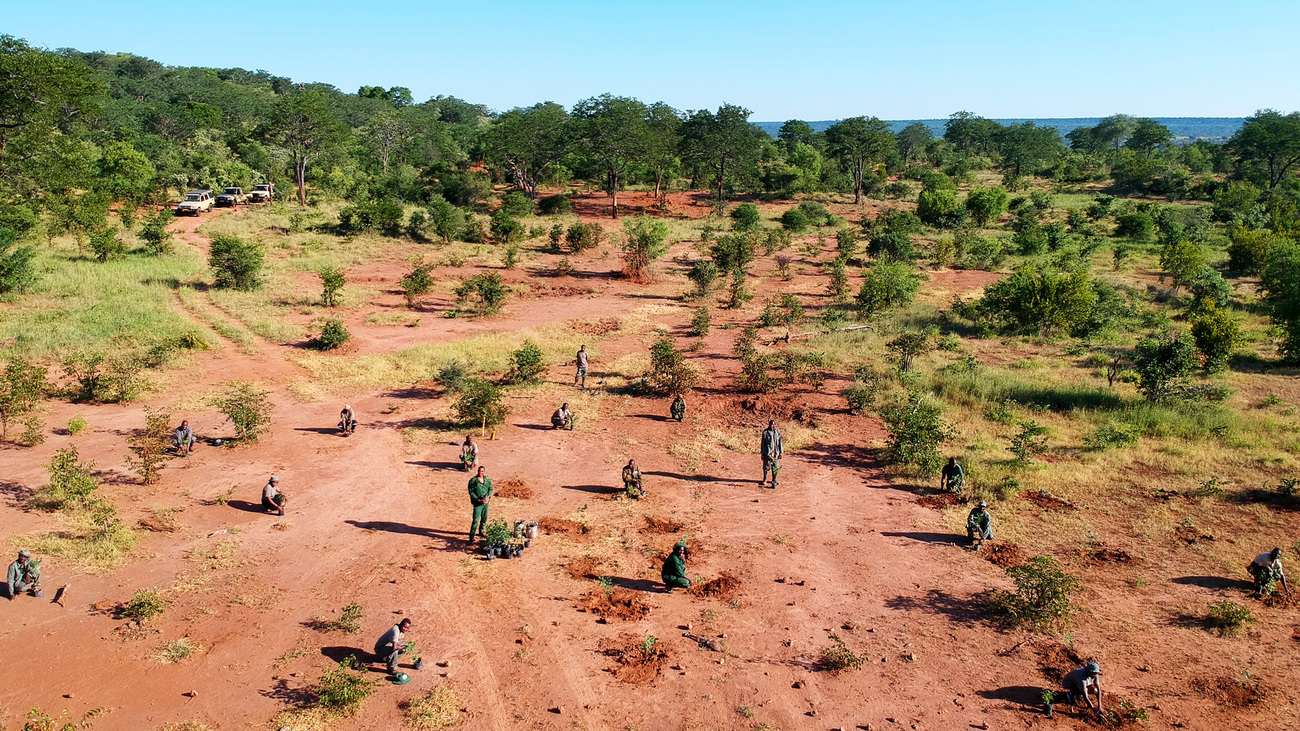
{"x": 390, "y": 647}
{"x": 272, "y": 499}
{"x": 674, "y": 570}
{"x": 632, "y": 480}
{"x": 979, "y": 525}
{"x": 562, "y": 418}
{"x": 24, "y": 576}
{"x": 1076, "y": 683}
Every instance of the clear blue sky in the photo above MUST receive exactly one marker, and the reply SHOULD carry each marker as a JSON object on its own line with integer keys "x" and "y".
{"x": 904, "y": 59}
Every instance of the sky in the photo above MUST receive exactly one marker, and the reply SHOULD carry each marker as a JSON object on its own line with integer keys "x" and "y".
{"x": 813, "y": 60}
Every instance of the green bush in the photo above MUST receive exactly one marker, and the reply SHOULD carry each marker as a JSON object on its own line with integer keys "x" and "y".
{"x": 1043, "y": 598}
{"x": 837, "y": 657}
{"x": 794, "y": 220}
{"x": 384, "y": 215}
{"x": 480, "y": 402}
{"x": 1029, "y": 442}
{"x": 815, "y": 213}
{"x": 17, "y": 272}
{"x": 904, "y": 348}
{"x": 554, "y": 204}
{"x": 1162, "y": 364}
{"x": 144, "y": 605}
{"x": 21, "y": 390}
{"x": 1139, "y": 226}
{"x": 76, "y": 425}
{"x": 745, "y": 217}
{"x": 118, "y": 379}
{"x": 237, "y": 264}
{"x": 332, "y": 280}
{"x": 645, "y": 243}
{"x": 703, "y": 273}
{"x": 342, "y": 689}
{"x": 485, "y": 292}
{"x": 916, "y": 430}
{"x": 333, "y": 334}
{"x": 583, "y": 236}
{"x": 416, "y": 282}
{"x": 1217, "y": 336}
{"x": 1112, "y": 434}
{"x": 516, "y": 204}
{"x": 1228, "y": 618}
{"x": 670, "y": 374}
{"x": 526, "y": 364}
{"x": 700, "y": 322}
{"x": 886, "y": 285}
{"x": 838, "y": 287}
{"x": 447, "y": 220}
{"x": 247, "y": 407}
{"x": 106, "y": 245}
{"x": 71, "y": 484}
{"x": 505, "y": 229}
{"x": 986, "y": 204}
{"x": 940, "y": 208}
{"x": 863, "y": 392}
{"x": 452, "y": 375}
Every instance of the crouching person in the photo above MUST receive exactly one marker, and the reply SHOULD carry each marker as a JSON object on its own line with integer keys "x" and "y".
{"x": 272, "y": 499}
{"x": 24, "y": 576}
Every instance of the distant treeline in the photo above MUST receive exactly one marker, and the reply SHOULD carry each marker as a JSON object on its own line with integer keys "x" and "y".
{"x": 1216, "y": 129}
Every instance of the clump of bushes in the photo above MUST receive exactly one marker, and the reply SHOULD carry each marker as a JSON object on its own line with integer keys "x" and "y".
{"x": 484, "y": 292}
{"x": 1228, "y": 618}
{"x": 333, "y": 335}
{"x": 247, "y": 407}
{"x": 342, "y": 689}
{"x": 916, "y": 430}
{"x": 526, "y": 364}
{"x": 669, "y": 372}
{"x": 1043, "y": 598}
{"x": 554, "y": 204}
{"x": 236, "y": 263}
{"x": 1112, "y": 434}
{"x": 144, "y": 604}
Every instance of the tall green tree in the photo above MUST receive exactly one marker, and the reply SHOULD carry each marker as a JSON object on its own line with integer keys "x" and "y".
{"x": 859, "y": 142}
{"x": 613, "y": 130}
{"x": 1148, "y": 136}
{"x": 1026, "y": 147}
{"x": 1269, "y": 140}
{"x": 662, "y": 143}
{"x": 722, "y": 144}
{"x": 527, "y": 142}
{"x": 796, "y": 131}
{"x": 971, "y": 133}
{"x": 912, "y": 140}
{"x": 303, "y": 125}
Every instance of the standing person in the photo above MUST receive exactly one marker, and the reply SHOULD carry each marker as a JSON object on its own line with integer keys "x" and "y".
{"x": 24, "y": 575}
{"x": 348, "y": 419}
{"x": 581, "y": 374}
{"x": 480, "y": 493}
{"x": 632, "y": 480}
{"x": 952, "y": 477}
{"x": 678, "y": 408}
{"x": 562, "y": 418}
{"x": 1266, "y": 569}
{"x": 979, "y": 525}
{"x": 1076, "y": 684}
{"x": 183, "y": 438}
{"x": 772, "y": 450}
{"x": 468, "y": 454}
{"x": 391, "y": 647}
{"x": 272, "y": 499}
{"x": 674, "y": 570}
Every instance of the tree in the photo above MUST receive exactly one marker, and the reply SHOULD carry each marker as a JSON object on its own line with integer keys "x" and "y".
{"x": 446, "y": 219}
{"x": 247, "y": 407}
{"x": 796, "y": 131}
{"x": 1182, "y": 261}
{"x": 916, "y": 429}
{"x": 526, "y": 364}
{"x": 670, "y": 374}
{"x": 1113, "y": 130}
{"x": 1217, "y": 336}
{"x": 1031, "y": 299}
{"x": 986, "y": 204}
{"x": 745, "y": 217}
{"x": 20, "y": 391}
{"x": 912, "y": 140}
{"x": 1162, "y": 363}
{"x": 304, "y": 127}
{"x": 150, "y": 446}
{"x": 480, "y": 402}
{"x": 527, "y": 142}
{"x": 904, "y": 348}
{"x": 386, "y": 133}
{"x": 17, "y": 271}
{"x": 723, "y": 144}
{"x": 236, "y": 263}
{"x": 858, "y": 142}
{"x": 939, "y": 208}
{"x": 485, "y": 292}
{"x": 613, "y": 130}
{"x": 332, "y": 279}
{"x": 645, "y": 243}
{"x": 1148, "y": 136}
{"x": 1281, "y": 284}
{"x": 42, "y": 96}
{"x": 1026, "y": 147}
{"x": 1269, "y": 139}
{"x": 417, "y": 281}
{"x": 886, "y": 285}
{"x": 662, "y": 140}
{"x": 124, "y": 173}
{"x": 971, "y": 133}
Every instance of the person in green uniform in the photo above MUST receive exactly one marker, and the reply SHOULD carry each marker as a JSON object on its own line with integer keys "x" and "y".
{"x": 632, "y": 480}
{"x": 952, "y": 477}
{"x": 24, "y": 575}
{"x": 678, "y": 408}
{"x": 480, "y": 492}
{"x": 772, "y": 449}
{"x": 674, "y": 571}
{"x": 979, "y": 525}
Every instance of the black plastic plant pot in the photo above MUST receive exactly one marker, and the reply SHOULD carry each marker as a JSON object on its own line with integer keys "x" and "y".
{"x": 419, "y": 664}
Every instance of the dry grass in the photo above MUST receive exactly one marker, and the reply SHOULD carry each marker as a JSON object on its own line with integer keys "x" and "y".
{"x": 176, "y": 651}
{"x": 311, "y": 718}
{"x": 185, "y": 726}
{"x": 161, "y": 520}
{"x": 255, "y": 597}
{"x": 291, "y": 655}
{"x": 83, "y": 543}
{"x": 441, "y": 708}
{"x": 220, "y": 556}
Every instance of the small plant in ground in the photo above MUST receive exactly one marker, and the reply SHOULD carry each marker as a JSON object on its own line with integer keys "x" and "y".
{"x": 1212, "y": 487}
{"x": 563, "y": 267}
{"x": 176, "y": 651}
{"x": 144, "y": 604}
{"x": 837, "y": 657}
{"x": 1003, "y": 412}
{"x": 71, "y": 485}
{"x": 150, "y": 447}
{"x": 904, "y": 348}
{"x": 1271, "y": 399}
{"x": 333, "y": 335}
{"x": 703, "y": 274}
{"x": 247, "y": 407}
{"x": 510, "y": 257}
{"x": 746, "y": 711}
{"x": 1228, "y": 618}
{"x": 1029, "y": 442}
{"x": 157, "y": 239}
{"x": 342, "y": 689}
{"x": 863, "y": 392}
{"x": 417, "y": 282}
{"x": 838, "y": 287}
{"x": 700, "y": 322}
{"x": 33, "y": 431}
{"x": 76, "y": 425}
{"x": 106, "y": 245}
{"x": 645, "y": 243}
{"x": 350, "y": 618}
{"x": 108, "y": 380}
{"x": 526, "y": 364}
{"x": 480, "y": 402}
{"x": 1043, "y": 595}
{"x": 452, "y": 375}
{"x": 332, "y": 280}
{"x": 20, "y": 392}
{"x": 484, "y": 292}
{"x": 1112, "y": 434}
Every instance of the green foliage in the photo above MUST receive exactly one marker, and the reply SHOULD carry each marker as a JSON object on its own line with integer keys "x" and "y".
{"x": 986, "y": 204}
{"x": 645, "y": 243}
{"x": 383, "y": 215}
{"x": 838, "y": 287}
{"x": 333, "y": 334}
{"x": 794, "y": 220}
{"x": 107, "y": 380}
{"x": 1267, "y": 146}
{"x": 939, "y": 208}
{"x": 846, "y": 243}
{"x": 237, "y": 264}
{"x": 247, "y": 407}
{"x": 505, "y": 228}
{"x": 511, "y": 257}
{"x": 862, "y": 393}
{"x": 480, "y": 402}
{"x": 342, "y": 689}
{"x": 733, "y": 252}
{"x": 670, "y": 374}
{"x": 452, "y": 375}
{"x": 1043, "y": 598}
{"x": 157, "y": 239}
{"x": 150, "y": 446}
{"x": 106, "y": 245}
{"x": 76, "y": 425}
{"x": 554, "y": 204}
{"x": 1182, "y": 261}
{"x": 1042, "y": 301}
{"x": 1162, "y": 364}
{"x": 703, "y": 273}
{"x": 837, "y": 657}
{"x": 446, "y": 220}
{"x": 350, "y": 619}
{"x": 416, "y": 282}
{"x": 526, "y": 364}
{"x": 1029, "y": 442}
{"x": 21, "y": 390}
{"x": 17, "y": 272}
{"x": 1217, "y": 336}
{"x": 916, "y": 430}
{"x": 1112, "y": 434}
{"x": 1281, "y": 285}
{"x": 886, "y": 285}
{"x": 816, "y": 213}
{"x": 745, "y": 217}
{"x": 497, "y": 532}
{"x": 1249, "y": 249}
{"x": 71, "y": 484}
{"x": 905, "y": 346}
{"x": 798, "y": 367}
{"x": 583, "y": 236}
{"x": 1228, "y": 618}
{"x": 700, "y": 322}
{"x": 1138, "y": 226}
{"x": 485, "y": 292}
{"x": 144, "y": 605}
{"x": 517, "y": 204}
{"x": 332, "y": 280}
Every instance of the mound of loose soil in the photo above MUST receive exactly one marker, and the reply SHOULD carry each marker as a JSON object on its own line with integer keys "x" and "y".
{"x": 563, "y": 526}
{"x": 1189, "y": 535}
{"x": 558, "y": 290}
{"x": 513, "y": 488}
{"x": 726, "y": 587}
{"x": 618, "y": 604}
{"x": 1055, "y": 660}
{"x": 1101, "y": 553}
{"x": 582, "y": 567}
{"x": 1047, "y": 502}
{"x": 662, "y": 525}
{"x": 633, "y": 661}
{"x": 1227, "y": 691}
{"x": 940, "y": 501}
{"x": 1005, "y": 555}
{"x": 595, "y": 327}
{"x": 767, "y": 407}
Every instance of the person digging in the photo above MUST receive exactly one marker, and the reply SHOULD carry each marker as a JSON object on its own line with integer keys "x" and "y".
{"x": 678, "y": 409}
{"x": 272, "y": 499}
{"x": 1267, "y": 570}
{"x": 390, "y": 646}
{"x": 347, "y": 420}
{"x": 480, "y": 493}
{"x": 632, "y": 480}
{"x": 1076, "y": 683}
{"x": 951, "y": 476}
{"x": 468, "y": 454}
{"x": 24, "y": 576}
{"x": 674, "y": 570}
{"x": 979, "y": 525}
{"x": 771, "y": 448}
{"x": 183, "y": 439}
{"x": 562, "y": 418}
{"x": 583, "y": 362}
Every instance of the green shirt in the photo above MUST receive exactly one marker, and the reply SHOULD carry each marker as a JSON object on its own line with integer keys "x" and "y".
{"x": 480, "y": 488}
{"x": 979, "y": 519}
{"x": 953, "y": 473}
{"x": 674, "y": 568}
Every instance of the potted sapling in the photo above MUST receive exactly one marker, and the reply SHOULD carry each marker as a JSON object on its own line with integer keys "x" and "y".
{"x": 1049, "y": 700}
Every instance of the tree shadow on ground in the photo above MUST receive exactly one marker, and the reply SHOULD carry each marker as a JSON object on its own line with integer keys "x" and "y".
{"x": 16, "y": 494}
{"x": 1214, "y": 582}
{"x": 290, "y": 696}
{"x": 538, "y": 427}
{"x": 963, "y": 610}
{"x": 1024, "y": 695}
{"x": 652, "y": 417}
{"x": 841, "y": 455}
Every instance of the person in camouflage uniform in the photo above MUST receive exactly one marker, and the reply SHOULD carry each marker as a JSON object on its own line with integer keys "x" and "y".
{"x": 771, "y": 448}
{"x": 632, "y": 480}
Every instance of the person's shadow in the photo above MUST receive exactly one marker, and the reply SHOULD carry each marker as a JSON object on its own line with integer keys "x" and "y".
{"x": 246, "y": 506}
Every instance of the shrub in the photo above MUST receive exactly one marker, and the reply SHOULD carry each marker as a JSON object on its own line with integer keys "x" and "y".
{"x": 916, "y": 430}
{"x": 76, "y": 425}
{"x": 247, "y": 407}
{"x": 480, "y": 402}
{"x": 1228, "y": 618}
{"x": 1162, "y": 364}
{"x": 1182, "y": 261}
{"x": 485, "y": 292}
{"x": 754, "y": 376}
{"x": 452, "y": 375}
{"x": 517, "y": 204}
{"x": 505, "y": 229}
{"x": 554, "y": 204}
{"x": 384, "y": 215}
{"x": 510, "y": 258}
{"x": 332, "y": 280}
{"x": 99, "y": 378}
{"x": 1139, "y": 226}
{"x": 71, "y": 484}
{"x": 794, "y": 221}
{"x": 939, "y": 208}
{"x": 669, "y": 372}
{"x": 526, "y": 365}
{"x": 144, "y": 605}
{"x": 416, "y": 224}
{"x": 645, "y": 243}
{"x": 106, "y": 245}
{"x": 774, "y": 240}
{"x": 863, "y": 392}
{"x": 838, "y": 287}
{"x": 733, "y": 252}
{"x": 816, "y": 213}
{"x": 1217, "y": 336}
{"x": 236, "y": 263}
{"x": 1046, "y": 302}
{"x": 745, "y": 217}
{"x": 342, "y": 689}
{"x": 17, "y": 272}
{"x": 986, "y": 204}
{"x": 446, "y": 220}
{"x": 700, "y": 322}
{"x": 150, "y": 446}
{"x": 886, "y": 285}
{"x": 333, "y": 334}
{"x": 846, "y": 243}
{"x": 1029, "y": 442}
{"x": 583, "y": 236}
{"x": 837, "y": 657}
{"x": 1249, "y": 249}
{"x": 801, "y": 368}
{"x": 904, "y": 348}
{"x": 22, "y": 388}
{"x": 703, "y": 273}
{"x": 895, "y": 245}
{"x": 416, "y": 282}
{"x": 1112, "y": 434}
{"x": 474, "y": 231}
{"x": 1043, "y": 595}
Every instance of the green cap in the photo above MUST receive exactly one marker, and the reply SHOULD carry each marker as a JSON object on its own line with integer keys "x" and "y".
{"x": 401, "y": 679}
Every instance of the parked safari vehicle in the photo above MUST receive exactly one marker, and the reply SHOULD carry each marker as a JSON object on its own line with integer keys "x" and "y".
{"x": 196, "y": 202}
{"x": 262, "y": 193}
{"x": 233, "y": 196}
